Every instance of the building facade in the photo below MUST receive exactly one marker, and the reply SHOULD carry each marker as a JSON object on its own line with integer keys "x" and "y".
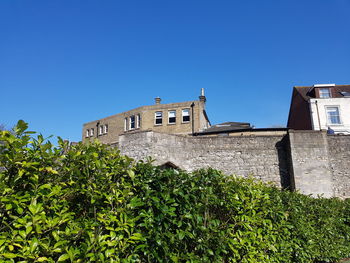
{"x": 175, "y": 118}
{"x": 321, "y": 107}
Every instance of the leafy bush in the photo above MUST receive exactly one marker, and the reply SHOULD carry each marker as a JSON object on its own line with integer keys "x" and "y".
{"x": 88, "y": 203}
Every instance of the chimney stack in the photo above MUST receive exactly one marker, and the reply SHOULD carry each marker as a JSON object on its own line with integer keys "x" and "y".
{"x": 202, "y": 97}
{"x": 157, "y": 100}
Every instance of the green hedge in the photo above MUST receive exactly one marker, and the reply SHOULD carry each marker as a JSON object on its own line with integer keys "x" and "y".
{"x": 88, "y": 203}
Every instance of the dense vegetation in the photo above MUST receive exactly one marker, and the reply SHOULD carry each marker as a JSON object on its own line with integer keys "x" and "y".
{"x": 87, "y": 203}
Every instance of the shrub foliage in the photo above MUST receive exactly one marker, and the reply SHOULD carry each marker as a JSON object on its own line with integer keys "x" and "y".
{"x": 88, "y": 203}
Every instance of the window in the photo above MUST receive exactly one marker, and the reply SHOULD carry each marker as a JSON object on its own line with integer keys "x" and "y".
{"x": 105, "y": 129}
{"x": 172, "y": 116}
{"x": 185, "y": 115}
{"x": 125, "y": 124}
{"x": 325, "y": 93}
{"x": 333, "y": 116}
{"x": 132, "y": 122}
{"x": 345, "y": 93}
{"x": 138, "y": 121}
{"x": 158, "y": 118}
{"x": 100, "y": 130}
{"x": 87, "y": 133}
{"x": 92, "y": 132}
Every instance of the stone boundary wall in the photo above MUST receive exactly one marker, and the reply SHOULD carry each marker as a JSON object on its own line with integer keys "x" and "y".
{"x": 311, "y": 162}
{"x": 263, "y": 157}
{"x": 310, "y": 159}
{"x": 339, "y": 159}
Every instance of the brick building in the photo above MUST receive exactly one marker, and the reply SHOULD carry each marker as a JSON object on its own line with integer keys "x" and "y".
{"x": 174, "y": 118}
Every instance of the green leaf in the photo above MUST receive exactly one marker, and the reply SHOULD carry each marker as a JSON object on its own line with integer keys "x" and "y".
{"x": 9, "y": 255}
{"x": 2, "y": 241}
{"x": 63, "y": 257}
{"x": 181, "y": 235}
{"x": 41, "y": 259}
{"x": 55, "y": 235}
{"x": 29, "y": 229}
{"x": 19, "y": 210}
{"x": 136, "y": 236}
{"x": 20, "y": 127}
{"x": 33, "y": 245}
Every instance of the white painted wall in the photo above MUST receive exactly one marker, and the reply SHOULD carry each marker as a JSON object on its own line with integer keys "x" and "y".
{"x": 344, "y": 112}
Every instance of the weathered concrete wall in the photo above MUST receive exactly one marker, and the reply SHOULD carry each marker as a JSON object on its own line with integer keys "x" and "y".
{"x": 310, "y": 163}
{"x": 339, "y": 159}
{"x": 261, "y": 156}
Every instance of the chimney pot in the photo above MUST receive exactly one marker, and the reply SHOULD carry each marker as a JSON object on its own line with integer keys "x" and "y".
{"x": 202, "y": 97}
{"x": 157, "y": 100}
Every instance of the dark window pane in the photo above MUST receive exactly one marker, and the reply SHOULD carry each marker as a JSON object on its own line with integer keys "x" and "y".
{"x": 132, "y": 122}
{"x": 185, "y": 118}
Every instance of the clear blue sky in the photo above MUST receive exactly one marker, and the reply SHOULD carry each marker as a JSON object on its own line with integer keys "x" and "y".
{"x": 64, "y": 63}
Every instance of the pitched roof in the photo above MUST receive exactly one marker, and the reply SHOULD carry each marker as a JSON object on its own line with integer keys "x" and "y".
{"x": 307, "y": 92}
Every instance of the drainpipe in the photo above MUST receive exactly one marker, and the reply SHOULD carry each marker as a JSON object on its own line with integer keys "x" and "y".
{"x": 97, "y": 124}
{"x": 318, "y": 115}
{"x": 192, "y": 111}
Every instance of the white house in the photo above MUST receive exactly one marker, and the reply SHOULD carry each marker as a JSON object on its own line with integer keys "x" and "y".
{"x": 321, "y": 107}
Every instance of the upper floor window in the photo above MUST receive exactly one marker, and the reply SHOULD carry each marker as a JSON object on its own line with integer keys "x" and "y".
{"x": 158, "y": 118}
{"x": 333, "y": 116}
{"x": 87, "y": 133}
{"x": 138, "y": 121}
{"x": 105, "y": 128}
{"x": 172, "y": 116}
{"x": 100, "y": 130}
{"x": 185, "y": 115}
{"x": 325, "y": 93}
{"x": 345, "y": 93}
{"x": 132, "y": 122}
{"x": 92, "y": 132}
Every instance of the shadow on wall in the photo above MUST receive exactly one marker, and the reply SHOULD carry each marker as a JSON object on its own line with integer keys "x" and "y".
{"x": 169, "y": 165}
{"x": 284, "y": 163}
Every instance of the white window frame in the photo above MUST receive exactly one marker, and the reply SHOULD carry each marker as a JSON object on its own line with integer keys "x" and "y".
{"x": 100, "y": 130}
{"x": 172, "y": 114}
{"x": 138, "y": 121}
{"x": 92, "y": 132}
{"x": 132, "y": 122}
{"x": 158, "y": 115}
{"x": 185, "y": 115}
{"x": 87, "y": 134}
{"x": 125, "y": 124}
{"x": 328, "y": 110}
{"x": 105, "y": 128}
{"x": 323, "y": 94}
